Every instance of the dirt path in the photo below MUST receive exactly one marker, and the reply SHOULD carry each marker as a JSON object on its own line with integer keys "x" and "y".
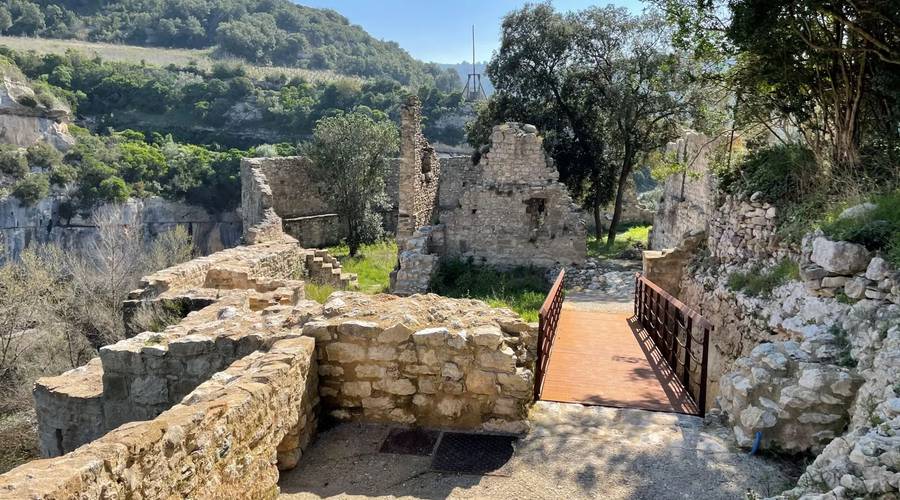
{"x": 573, "y": 452}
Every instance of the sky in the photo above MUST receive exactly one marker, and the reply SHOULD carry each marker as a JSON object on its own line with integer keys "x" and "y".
{"x": 441, "y": 30}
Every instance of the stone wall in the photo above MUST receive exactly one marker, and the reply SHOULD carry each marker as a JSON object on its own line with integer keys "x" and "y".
{"x": 424, "y": 360}
{"x": 515, "y": 213}
{"x": 743, "y": 230}
{"x": 278, "y": 195}
{"x": 22, "y": 226}
{"x": 689, "y": 198}
{"x": 230, "y": 434}
{"x": 419, "y": 173}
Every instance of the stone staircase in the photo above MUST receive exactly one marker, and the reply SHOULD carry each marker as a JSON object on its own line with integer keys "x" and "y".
{"x": 324, "y": 268}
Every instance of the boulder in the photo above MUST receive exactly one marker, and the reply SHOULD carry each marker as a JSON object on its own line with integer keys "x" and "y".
{"x": 839, "y": 257}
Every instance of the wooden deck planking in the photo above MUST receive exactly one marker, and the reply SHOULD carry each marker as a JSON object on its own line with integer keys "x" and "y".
{"x": 606, "y": 359}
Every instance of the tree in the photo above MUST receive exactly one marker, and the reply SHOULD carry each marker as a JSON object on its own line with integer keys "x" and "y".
{"x": 603, "y": 85}
{"x": 829, "y": 67}
{"x": 536, "y": 77}
{"x": 645, "y": 90}
{"x": 348, "y": 152}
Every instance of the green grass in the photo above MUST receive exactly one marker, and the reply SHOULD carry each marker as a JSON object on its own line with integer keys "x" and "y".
{"x": 373, "y": 264}
{"x": 317, "y": 292}
{"x": 636, "y": 236}
{"x": 522, "y": 289}
{"x": 877, "y": 230}
{"x": 760, "y": 282}
{"x": 162, "y": 57}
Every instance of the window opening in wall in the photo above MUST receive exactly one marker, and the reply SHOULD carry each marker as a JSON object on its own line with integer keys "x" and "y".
{"x": 535, "y": 208}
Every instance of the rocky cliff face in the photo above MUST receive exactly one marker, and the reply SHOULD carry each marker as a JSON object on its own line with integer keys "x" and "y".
{"x": 26, "y": 118}
{"x": 42, "y": 223}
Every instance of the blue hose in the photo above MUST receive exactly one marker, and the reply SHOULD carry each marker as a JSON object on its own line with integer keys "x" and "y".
{"x": 756, "y": 442}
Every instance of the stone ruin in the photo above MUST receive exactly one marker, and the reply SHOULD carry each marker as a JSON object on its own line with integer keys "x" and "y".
{"x": 222, "y": 400}
{"x": 507, "y": 210}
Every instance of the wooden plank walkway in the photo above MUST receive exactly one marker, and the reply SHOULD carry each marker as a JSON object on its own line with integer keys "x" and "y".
{"x": 607, "y": 359}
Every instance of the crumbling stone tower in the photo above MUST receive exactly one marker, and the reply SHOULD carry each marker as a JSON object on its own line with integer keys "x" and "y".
{"x": 419, "y": 173}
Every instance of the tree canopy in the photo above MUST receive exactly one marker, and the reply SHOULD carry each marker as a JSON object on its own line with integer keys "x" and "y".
{"x": 349, "y": 154}
{"x": 603, "y": 85}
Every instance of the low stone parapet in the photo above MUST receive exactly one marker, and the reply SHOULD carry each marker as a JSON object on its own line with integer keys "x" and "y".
{"x": 227, "y": 437}
{"x": 424, "y": 360}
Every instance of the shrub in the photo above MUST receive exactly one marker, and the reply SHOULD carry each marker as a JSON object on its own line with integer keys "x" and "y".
{"x": 12, "y": 161}
{"x": 877, "y": 229}
{"x": 43, "y": 155}
{"x": 760, "y": 283}
{"x": 782, "y": 173}
{"x": 114, "y": 189}
{"x": 32, "y": 188}
{"x": 63, "y": 174}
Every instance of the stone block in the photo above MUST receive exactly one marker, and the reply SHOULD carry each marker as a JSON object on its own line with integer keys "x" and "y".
{"x": 431, "y": 336}
{"x": 342, "y": 352}
{"x": 839, "y": 257}
{"x": 396, "y": 334}
{"x": 400, "y": 387}
{"x": 370, "y": 371}
{"x": 356, "y": 389}
{"x": 149, "y": 390}
{"x": 359, "y": 329}
{"x": 502, "y": 360}
{"x": 481, "y": 382}
{"x": 489, "y": 336}
{"x": 318, "y": 330}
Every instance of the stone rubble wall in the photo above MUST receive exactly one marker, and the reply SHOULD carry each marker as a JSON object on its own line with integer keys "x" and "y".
{"x": 231, "y": 434}
{"x": 689, "y": 198}
{"x": 419, "y": 173}
{"x": 260, "y": 220}
{"x": 416, "y": 262}
{"x": 279, "y": 196}
{"x": 744, "y": 230}
{"x": 424, "y": 360}
{"x": 516, "y": 213}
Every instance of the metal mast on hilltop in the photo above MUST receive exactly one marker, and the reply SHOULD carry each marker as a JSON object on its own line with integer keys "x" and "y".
{"x": 474, "y": 90}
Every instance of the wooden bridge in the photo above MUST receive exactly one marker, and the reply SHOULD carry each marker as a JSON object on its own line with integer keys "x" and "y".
{"x": 654, "y": 359}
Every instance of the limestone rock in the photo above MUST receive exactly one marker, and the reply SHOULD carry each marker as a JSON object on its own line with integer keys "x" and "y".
{"x": 839, "y": 256}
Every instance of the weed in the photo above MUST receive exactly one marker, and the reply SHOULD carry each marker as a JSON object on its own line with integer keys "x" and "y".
{"x": 522, "y": 289}
{"x": 318, "y": 292}
{"x": 877, "y": 229}
{"x": 842, "y": 342}
{"x": 372, "y": 264}
{"x": 760, "y": 283}
{"x": 154, "y": 340}
{"x": 632, "y": 237}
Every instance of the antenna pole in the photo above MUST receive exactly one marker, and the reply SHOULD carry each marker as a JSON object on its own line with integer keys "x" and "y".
{"x": 473, "y": 48}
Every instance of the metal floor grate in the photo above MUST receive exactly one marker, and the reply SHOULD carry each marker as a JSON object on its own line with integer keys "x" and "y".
{"x": 410, "y": 442}
{"x": 473, "y": 453}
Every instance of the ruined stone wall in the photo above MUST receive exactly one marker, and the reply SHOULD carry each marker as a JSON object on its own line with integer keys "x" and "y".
{"x": 278, "y": 194}
{"x": 419, "y": 173}
{"x": 424, "y": 360}
{"x": 689, "y": 198}
{"x": 743, "y": 229}
{"x": 515, "y": 213}
{"x": 223, "y": 438}
{"x": 457, "y": 174}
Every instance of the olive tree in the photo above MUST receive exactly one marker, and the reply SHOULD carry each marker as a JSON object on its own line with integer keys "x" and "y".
{"x": 349, "y": 154}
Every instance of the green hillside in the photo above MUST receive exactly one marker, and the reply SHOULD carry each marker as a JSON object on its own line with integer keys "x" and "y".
{"x": 268, "y": 32}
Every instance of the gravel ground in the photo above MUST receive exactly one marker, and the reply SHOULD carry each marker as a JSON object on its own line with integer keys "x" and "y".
{"x": 573, "y": 452}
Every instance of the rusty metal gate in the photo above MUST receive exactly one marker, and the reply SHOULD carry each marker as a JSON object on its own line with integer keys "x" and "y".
{"x": 548, "y": 323}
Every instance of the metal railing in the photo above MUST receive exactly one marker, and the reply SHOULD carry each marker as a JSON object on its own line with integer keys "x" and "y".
{"x": 673, "y": 326}
{"x": 548, "y": 321}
